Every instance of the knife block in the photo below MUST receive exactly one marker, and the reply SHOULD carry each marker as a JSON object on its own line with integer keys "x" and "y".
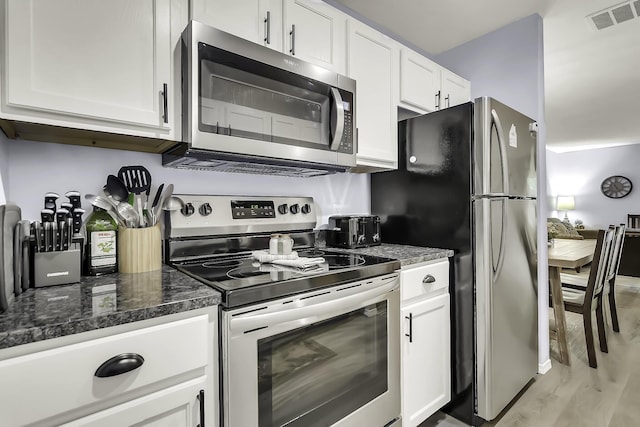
{"x": 56, "y": 268}
{"x": 139, "y": 249}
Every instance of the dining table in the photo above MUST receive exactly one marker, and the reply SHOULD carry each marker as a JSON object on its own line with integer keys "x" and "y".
{"x": 565, "y": 253}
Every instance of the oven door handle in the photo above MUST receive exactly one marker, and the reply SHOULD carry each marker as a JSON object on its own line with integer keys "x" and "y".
{"x": 336, "y": 306}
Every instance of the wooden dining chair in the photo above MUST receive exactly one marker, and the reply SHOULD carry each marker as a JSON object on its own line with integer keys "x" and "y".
{"x": 579, "y": 282}
{"x": 587, "y": 301}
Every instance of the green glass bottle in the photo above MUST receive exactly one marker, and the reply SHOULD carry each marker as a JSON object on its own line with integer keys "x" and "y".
{"x": 100, "y": 250}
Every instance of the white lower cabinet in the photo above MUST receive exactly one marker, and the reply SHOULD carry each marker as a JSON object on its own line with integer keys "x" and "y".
{"x": 177, "y": 406}
{"x": 425, "y": 349}
{"x": 157, "y": 372}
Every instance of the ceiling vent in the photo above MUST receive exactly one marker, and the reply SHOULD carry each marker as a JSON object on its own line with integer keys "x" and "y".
{"x": 615, "y": 14}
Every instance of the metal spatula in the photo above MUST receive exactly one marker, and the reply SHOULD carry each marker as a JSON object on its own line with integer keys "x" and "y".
{"x": 138, "y": 181}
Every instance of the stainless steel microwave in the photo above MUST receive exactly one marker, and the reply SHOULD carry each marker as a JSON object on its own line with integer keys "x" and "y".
{"x": 249, "y": 108}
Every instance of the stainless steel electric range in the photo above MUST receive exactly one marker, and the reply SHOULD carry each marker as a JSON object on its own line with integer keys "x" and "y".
{"x": 312, "y": 346}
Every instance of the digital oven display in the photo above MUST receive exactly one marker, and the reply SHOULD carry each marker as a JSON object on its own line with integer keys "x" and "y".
{"x": 244, "y": 209}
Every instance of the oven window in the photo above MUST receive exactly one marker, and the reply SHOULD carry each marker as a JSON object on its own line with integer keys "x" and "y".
{"x": 317, "y": 375}
{"x": 241, "y": 97}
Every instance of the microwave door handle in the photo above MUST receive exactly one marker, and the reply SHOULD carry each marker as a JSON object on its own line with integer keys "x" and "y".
{"x": 337, "y": 119}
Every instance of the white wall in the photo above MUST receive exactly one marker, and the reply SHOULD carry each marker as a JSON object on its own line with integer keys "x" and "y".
{"x": 4, "y": 169}
{"x": 508, "y": 64}
{"x": 37, "y": 168}
{"x": 580, "y": 173}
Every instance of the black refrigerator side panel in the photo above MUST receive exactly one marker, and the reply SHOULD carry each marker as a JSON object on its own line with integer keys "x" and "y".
{"x": 427, "y": 202}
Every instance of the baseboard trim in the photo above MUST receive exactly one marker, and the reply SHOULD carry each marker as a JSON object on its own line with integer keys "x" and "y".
{"x": 545, "y": 367}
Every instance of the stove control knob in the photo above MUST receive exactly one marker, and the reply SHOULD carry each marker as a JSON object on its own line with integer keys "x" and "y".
{"x": 205, "y": 209}
{"x": 306, "y": 208}
{"x": 187, "y": 209}
{"x": 294, "y": 209}
{"x": 283, "y": 209}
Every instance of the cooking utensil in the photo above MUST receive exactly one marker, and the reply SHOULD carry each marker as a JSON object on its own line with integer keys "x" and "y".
{"x": 105, "y": 204}
{"x": 117, "y": 188}
{"x": 47, "y": 217}
{"x": 137, "y": 180}
{"x": 173, "y": 204}
{"x": 61, "y": 218}
{"x": 10, "y": 214}
{"x": 166, "y": 194}
{"x": 50, "y": 201}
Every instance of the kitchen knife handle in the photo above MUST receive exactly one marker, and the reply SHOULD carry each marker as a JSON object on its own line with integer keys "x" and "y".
{"x": 47, "y": 236}
{"x": 55, "y": 235}
{"x": 39, "y": 236}
{"x": 77, "y": 220}
{"x": 64, "y": 240}
{"x": 69, "y": 232}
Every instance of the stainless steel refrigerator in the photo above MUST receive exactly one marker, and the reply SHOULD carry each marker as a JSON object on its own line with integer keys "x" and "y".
{"x": 466, "y": 181}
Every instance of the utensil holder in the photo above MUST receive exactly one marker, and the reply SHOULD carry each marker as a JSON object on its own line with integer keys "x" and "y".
{"x": 56, "y": 268}
{"x": 139, "y": 249}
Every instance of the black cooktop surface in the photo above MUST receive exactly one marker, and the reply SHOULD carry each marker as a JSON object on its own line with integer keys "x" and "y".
{"x": 243, "y": 280}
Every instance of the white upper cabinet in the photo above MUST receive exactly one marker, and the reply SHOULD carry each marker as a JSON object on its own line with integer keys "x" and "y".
{"x": 92, "y": 64}
{"x": 419, "y": 82}
{"x": 426, "y": 86}
{"x": 310, "y": 30}
{"x": 259, "y": 21}
{"x": 372, "y": 60}
{"x": 315, "y": 32}
{"x": 454, "y": 89}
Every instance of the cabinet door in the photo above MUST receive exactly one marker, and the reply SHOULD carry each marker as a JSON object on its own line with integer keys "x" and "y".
{"x": 426, "y": 365}
{"x": 419, "y": 82}
{"x": 106, "y": 60}
{"x": 315, "y": 32}
{"x": 455, "y": 89}
{"x": 177, "y": 406}
{"x": 373, "y": 61}
{"x": 259, "y": 21}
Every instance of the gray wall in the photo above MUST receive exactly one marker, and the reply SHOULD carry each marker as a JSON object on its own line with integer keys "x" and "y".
{"x": 508, "y": 64}
{"x": 36, "y": 168}
{"x": 580, "y": 173}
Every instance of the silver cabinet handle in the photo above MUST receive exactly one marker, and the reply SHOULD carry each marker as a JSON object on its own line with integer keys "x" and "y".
{"x": 267, "y": 29}
{"x": 437, "y": 100}
{"x": 446, "y": 99}
{"x": 165, "y": 114}
{"x": 428, "y": 279}
{"x": 292, "y": 33}
{"x": 410, "y": 334}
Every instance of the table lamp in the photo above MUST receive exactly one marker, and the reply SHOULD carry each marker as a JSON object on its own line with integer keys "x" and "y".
{"x": 565, "y": 203}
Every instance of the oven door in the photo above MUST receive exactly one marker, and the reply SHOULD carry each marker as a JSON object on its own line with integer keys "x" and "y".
{"x": 330, "y": 357}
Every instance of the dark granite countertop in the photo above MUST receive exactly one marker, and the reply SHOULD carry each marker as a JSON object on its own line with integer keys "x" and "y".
{"x": 100, "y": 302}
{"x": 407, "y": 255}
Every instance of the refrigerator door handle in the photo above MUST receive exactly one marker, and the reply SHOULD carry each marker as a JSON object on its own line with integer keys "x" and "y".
{"x": 495, "y": 121}
{"x": 497, "y": 267}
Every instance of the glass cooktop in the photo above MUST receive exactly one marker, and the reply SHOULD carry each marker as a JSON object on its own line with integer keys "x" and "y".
{"x": 243, "y": 280}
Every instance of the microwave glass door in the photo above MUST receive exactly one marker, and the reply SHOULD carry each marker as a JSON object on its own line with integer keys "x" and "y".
{"x": 318, "y": 374}
{"x": 242, "y": 97}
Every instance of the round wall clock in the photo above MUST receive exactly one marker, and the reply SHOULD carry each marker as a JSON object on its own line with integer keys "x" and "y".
{"x": 616, "y": 186}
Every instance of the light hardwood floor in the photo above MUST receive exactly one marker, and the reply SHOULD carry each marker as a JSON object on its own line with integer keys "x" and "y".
{"x": 578, "y": 395}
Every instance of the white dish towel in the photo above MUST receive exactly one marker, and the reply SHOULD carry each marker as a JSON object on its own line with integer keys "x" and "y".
{"x": 300, "y": 263}
{"x": 265, "y": 256}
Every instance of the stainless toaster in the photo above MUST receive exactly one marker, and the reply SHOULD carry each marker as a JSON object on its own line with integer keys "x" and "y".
{"x": 353, "y": 231}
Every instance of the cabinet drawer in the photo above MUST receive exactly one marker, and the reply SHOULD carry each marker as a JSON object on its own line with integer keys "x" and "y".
{"x": 62, "y": 379}
{"x": 424, "y": 280}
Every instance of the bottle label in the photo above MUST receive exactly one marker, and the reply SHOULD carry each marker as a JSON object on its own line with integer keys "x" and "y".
{"x": 103, "y": 248}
